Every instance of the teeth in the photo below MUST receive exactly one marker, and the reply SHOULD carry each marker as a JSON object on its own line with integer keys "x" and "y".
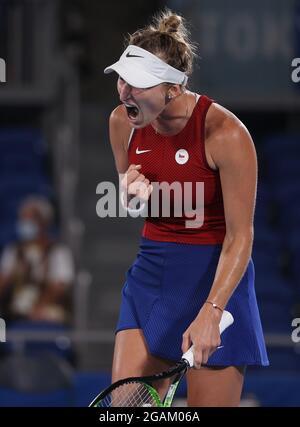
{"x": 129, "y": 105}
{"x": 132, "y": 110}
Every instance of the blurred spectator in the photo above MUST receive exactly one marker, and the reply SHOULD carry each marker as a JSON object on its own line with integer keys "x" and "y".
{"x": 36, "y": 272}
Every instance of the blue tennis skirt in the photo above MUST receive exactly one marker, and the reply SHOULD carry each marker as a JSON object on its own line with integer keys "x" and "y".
{"x": 166, "y": 287}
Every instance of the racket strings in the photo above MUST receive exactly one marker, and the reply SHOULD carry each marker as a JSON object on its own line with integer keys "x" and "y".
{"x": 134, "y": 394}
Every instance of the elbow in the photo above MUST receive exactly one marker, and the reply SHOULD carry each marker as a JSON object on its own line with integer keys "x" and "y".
{"x": 243, "y": 238}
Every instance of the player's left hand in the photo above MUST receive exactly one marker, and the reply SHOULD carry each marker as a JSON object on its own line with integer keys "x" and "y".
{"x": 204, "y": 333}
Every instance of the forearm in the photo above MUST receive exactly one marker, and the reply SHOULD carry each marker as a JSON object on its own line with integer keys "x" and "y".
{"x": 233, "y": 261}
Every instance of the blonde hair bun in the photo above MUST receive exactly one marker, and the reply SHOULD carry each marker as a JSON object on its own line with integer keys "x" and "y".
{"x": 169, "y": 24}
{"x": 167, "y": 37}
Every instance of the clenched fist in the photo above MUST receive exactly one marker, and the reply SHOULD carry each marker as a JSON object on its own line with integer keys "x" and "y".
{"x": 135, "y": 184}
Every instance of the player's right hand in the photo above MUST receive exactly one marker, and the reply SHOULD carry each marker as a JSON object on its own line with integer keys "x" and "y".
{"x": 135, "y": 184}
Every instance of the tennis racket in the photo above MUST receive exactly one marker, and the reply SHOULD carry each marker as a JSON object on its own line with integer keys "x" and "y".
{"x": 148, "y": 391}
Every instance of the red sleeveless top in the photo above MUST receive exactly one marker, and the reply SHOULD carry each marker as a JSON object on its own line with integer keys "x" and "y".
{"x": 181, "y": 159}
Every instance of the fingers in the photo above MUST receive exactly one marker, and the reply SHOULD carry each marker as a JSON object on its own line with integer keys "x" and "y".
{"x": 144, "y": 191}
{"x": 140, "y": 188}
{"x": 136, "y": 184}
{"x": 197, "y": 350}
{"x": 198, "y": 357}
{"x": 205, "y": 356}
{"x": 131, "y": 174}
{"x": 202, "y": 354}
{"x": 133, "y": 167}
{"x": 186, "y": 342}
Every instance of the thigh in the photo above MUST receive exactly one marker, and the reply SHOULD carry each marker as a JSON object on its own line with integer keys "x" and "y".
{"x": 132, "y": 357}
{"x": 217, "y": 386}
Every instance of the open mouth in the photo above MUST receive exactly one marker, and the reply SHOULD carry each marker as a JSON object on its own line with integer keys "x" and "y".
{"x": 132, "y": 111}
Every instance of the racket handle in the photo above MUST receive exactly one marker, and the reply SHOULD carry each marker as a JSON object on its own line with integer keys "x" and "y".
{"x": 226, "y": 320}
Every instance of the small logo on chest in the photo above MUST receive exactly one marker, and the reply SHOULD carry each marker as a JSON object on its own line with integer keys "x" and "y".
{"x": 141, "y": 151}
{"x": 181, "y": 156}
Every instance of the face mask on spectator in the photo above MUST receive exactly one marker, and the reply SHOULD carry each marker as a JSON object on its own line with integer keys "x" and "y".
{"x": 27, "y": 230}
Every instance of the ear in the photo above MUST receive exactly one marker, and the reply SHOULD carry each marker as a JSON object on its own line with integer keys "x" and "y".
{"x": 173, "y": 91}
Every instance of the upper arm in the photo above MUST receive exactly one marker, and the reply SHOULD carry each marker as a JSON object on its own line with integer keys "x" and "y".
{"x": 234, "y": 154}
{"x": 119, "y": 132}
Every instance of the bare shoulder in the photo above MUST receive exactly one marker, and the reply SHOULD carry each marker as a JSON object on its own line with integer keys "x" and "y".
{"x": 119, "y": 127}
{"x": 119, "y": 117}
{"x": 226, "y": 135}
{"x": 119, "y": 133}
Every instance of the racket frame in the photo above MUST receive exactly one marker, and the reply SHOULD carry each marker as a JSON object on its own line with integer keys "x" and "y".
{"x": 178, "y": 370}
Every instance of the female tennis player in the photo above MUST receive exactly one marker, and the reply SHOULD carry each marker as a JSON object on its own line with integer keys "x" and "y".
{"x": 184, "y": 277}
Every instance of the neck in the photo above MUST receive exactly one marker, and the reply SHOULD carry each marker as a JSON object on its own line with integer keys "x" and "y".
{"x": 175, "y": 116}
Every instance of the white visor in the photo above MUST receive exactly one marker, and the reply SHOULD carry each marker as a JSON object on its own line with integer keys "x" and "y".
{"x": 142, "y": 69}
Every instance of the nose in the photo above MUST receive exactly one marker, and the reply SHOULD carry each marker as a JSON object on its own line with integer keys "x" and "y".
{"x": 124, "y": 91}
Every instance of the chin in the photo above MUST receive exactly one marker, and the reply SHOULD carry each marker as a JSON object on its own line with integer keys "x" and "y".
{"x": 138, "y": 124}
